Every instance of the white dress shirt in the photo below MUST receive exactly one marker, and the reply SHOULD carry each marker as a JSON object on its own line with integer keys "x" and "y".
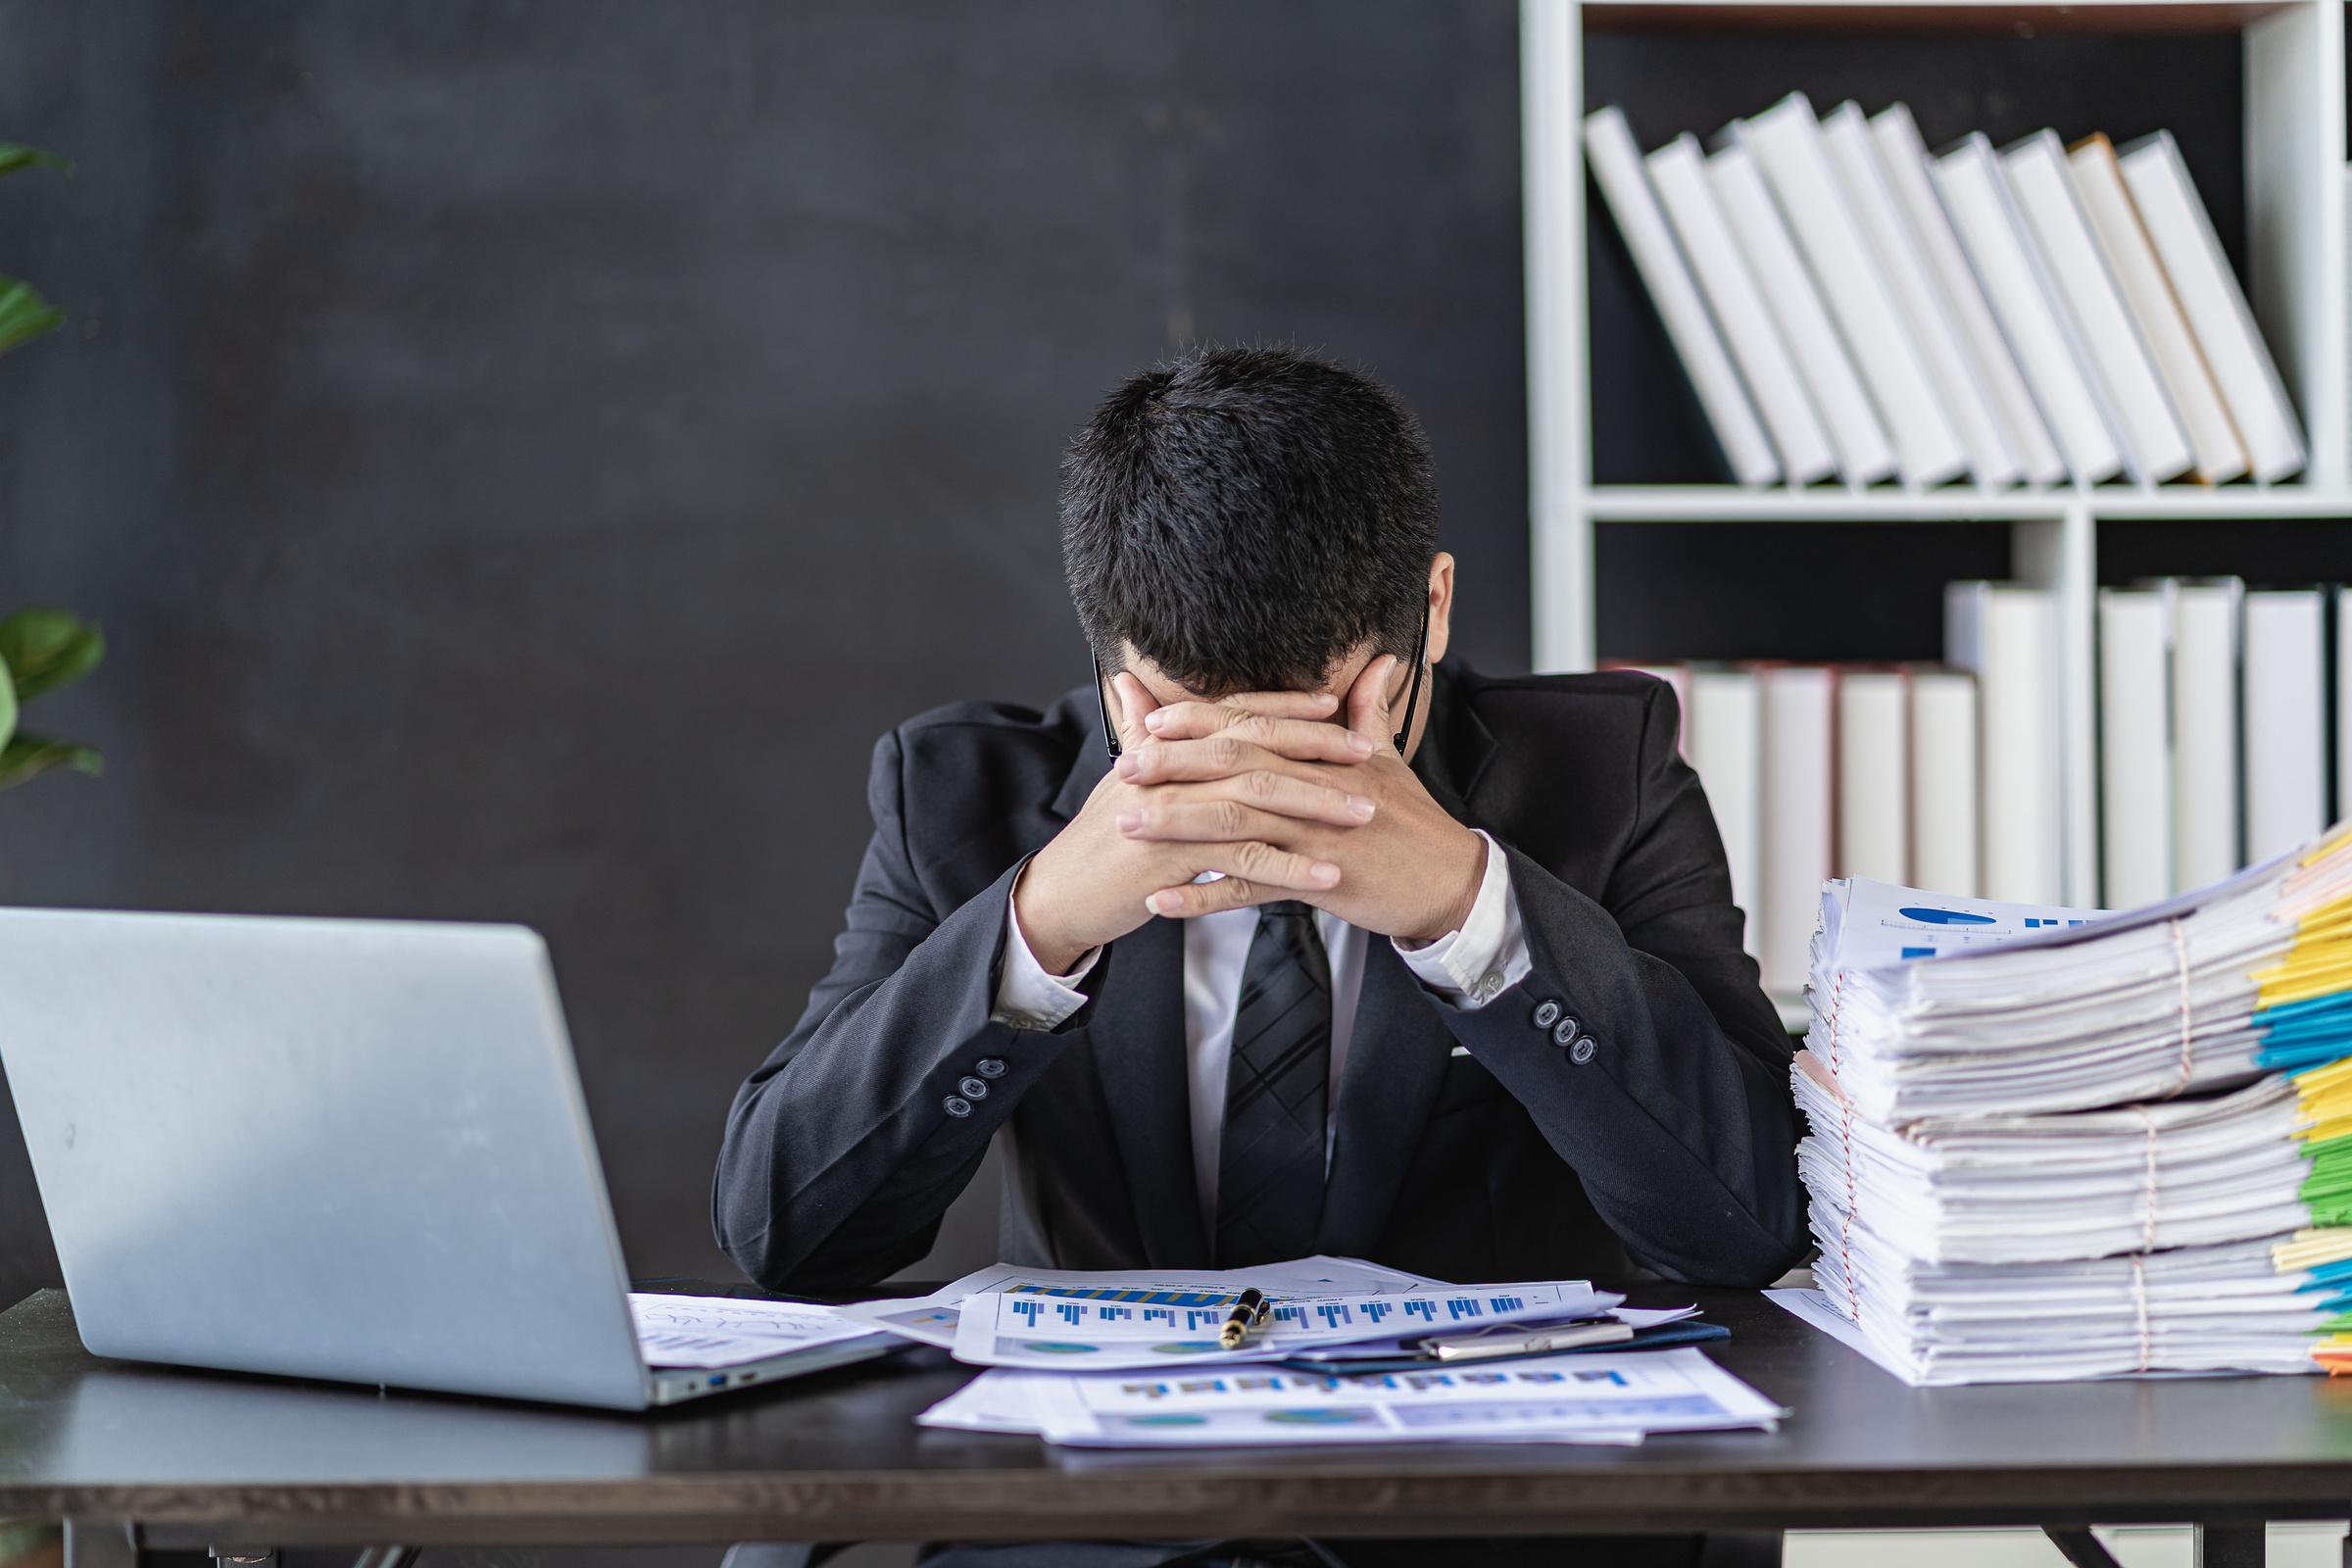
{"x": 1465, "y": 970}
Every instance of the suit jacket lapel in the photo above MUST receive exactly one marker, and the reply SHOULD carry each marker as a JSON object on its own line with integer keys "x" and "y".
{"x": 1397, "y": 1057}
{"x": 1455, "y": 748}
{"x": 1138, "y": 1044}
{"x": 1138, "y": 1039}
{"x": 1396, "y": 1064}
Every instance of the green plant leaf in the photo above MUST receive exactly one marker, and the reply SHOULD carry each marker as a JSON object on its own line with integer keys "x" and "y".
{"x": 45, "y": 649}
{"x": 8, "y": 704}
{"x": 27, "y": 756}
{"x": 24, "y": 314}
{"x": 15, "y": 155}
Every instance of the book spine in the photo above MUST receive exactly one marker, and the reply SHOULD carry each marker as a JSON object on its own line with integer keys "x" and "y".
{"x": 2286, "y": 721}
{"x": 1725, "y": 732}
{"x": 1865, "y": 453}
{"x": 1874, "y": 775}
{"x": 1905, "y": 156}
{"x": 1944, "y": 807}
{"x": 1977, "y": 195}
{"x": 2135, "y": 763}
{"x": 1617, "y": 166}
{"x": 1799, "y": 709}
{"x": 2124, "y": 242}
{"x": 1786, "y": 142}
{"x": 2118, "y": 362}
{"x": 1678, "y": 174}
{"x": 2215, "y": 307}
{"x": 1845, "y": 134}
{"x": 2008, "y": 636}
{"x": 2205, "y": 730}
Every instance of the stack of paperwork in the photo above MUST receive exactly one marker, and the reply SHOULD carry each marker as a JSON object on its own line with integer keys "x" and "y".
{"x": 2056, "y": 1143}
{"x": 1346, "y": 1351}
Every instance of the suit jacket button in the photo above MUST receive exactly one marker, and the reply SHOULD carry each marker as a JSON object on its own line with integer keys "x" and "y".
{"x": 956, "y": 1106}
{"x": 1582, "y": 1051}
{"x": 974, "y": 1087}
{"x": 1565, "y": 1032}
{"x": 989, "y": 1067}
{"x": 1547, "y": 1013}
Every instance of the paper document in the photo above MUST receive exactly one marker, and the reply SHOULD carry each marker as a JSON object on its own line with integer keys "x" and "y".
{"x": 997, "y": 1401}
{"x": 1076, "y": 1328}
{"x": 1635, "y": 1319}
{"x": 932, "y": 1318}
{"x": 1608, "y": 1398}
{"x": 720, "y": 1331}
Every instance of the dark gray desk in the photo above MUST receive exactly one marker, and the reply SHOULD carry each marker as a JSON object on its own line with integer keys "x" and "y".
{"x": 194, "y": 1460}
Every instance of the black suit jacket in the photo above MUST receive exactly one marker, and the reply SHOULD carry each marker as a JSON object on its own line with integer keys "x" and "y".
{"x": 1671, "y": 1144}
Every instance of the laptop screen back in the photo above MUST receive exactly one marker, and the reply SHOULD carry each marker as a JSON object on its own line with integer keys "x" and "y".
{"x": 331, "y": 1148}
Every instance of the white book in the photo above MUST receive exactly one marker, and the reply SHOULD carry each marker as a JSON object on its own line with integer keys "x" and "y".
{"x": 1874, "y": 774}
{"x": 1991, "y": 456}
{"x": 2007, "y": 634}
{"x": 1617, "y": 165}
{"x": 2286, "y": 720}
{"x": 1678, "y": 172}
{"x": 2216, "y": 308}
{"x": 2040, "y": 333}
{"x": 1945, "y": 808}
{"x": 2124, "y": 240}
{"x": 2154, "y": 442}
{"x": 1865, "y": 453}
{"x": 2135, "y": 757}
{"x": 1725, "y": 732}
{"x": 1786, "y": 141}
{"x": 2205, "y": 742}
{"x": 1799, "y": 728}
{"x": 1905, "y": 156}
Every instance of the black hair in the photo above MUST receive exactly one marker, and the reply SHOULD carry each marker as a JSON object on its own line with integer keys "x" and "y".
{"x": 1245, "y": 518}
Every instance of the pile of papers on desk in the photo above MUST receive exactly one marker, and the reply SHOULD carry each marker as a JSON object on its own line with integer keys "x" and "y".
{"x": 1346, "y": 1351}
{"x": 2057, "y": 1142}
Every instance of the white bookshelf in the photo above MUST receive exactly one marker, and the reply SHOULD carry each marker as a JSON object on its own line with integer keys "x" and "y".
{"x": 2300, "y": 286}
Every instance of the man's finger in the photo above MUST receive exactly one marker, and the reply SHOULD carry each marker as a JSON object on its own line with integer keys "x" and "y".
{"x": 1305, "y": 740}
{"x": 1219, "y": 821}
{"x": 1222, "y": 755}
{"x": 1368, "y": 701}
{"x": 1255, "y": 873}
{"x": 1134, "y": 705}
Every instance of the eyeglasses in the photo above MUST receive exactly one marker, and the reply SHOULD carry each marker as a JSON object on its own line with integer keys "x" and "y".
{"x": 1412, "y": 698}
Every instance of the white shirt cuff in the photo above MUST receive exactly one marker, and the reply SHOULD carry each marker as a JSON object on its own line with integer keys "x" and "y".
{"x": 1028, "y": 998}
{"x": 1470, "y": 967}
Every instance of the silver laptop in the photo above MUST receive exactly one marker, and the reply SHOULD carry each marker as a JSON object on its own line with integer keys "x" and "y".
{"x": 328, "y": 1148}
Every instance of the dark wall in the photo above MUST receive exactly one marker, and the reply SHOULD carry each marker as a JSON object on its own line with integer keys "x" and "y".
{"x": 523, "y": 454}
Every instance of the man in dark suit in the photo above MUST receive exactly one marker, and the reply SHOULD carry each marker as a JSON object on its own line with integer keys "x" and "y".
{"x": 1280, "y": 939}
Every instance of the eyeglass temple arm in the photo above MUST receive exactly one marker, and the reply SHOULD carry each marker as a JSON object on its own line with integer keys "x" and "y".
{"x": 1412, "y": 698}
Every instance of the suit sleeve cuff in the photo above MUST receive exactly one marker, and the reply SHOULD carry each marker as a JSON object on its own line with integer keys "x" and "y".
{"x": 1470, "y": 967}
{"x": 1028, "y": 998}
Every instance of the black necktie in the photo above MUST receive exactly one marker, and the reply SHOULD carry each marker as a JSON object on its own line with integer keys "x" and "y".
{"x": 1270, "y": 1154}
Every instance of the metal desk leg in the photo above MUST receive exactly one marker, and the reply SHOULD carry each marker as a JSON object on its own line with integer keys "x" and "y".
{"x": 101, "y": 1544}
{"x": 2080, "y": 1547}
{"x": 2230, "y": 1546}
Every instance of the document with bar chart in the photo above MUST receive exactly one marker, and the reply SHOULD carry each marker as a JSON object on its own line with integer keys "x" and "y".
{"x": 932, "y": 1319}
{"x": 1581, "y": 1399}
{"x": 1114, "y": 1327}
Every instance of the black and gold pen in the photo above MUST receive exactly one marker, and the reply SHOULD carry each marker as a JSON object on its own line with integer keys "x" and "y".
{"x": 1248, "y": 1311}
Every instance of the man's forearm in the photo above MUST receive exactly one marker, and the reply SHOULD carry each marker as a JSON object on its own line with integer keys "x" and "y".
{"x": 1684, "y": 1140}
{"x": 842, "y": 1154}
